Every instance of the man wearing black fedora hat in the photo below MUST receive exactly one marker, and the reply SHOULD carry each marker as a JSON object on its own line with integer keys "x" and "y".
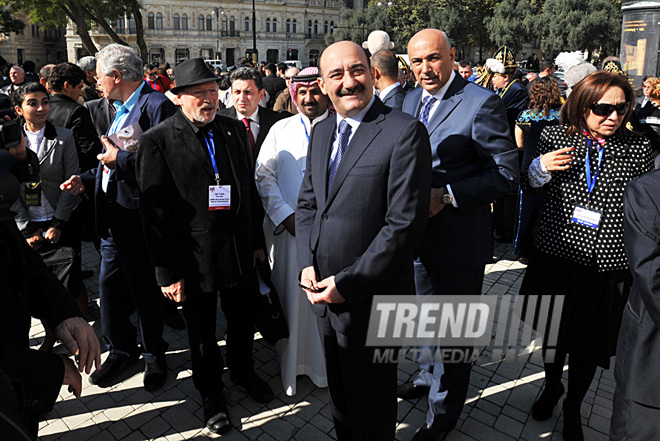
{"x": 202, "y": 216}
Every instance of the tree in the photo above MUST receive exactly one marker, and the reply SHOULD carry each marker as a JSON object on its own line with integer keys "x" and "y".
{"x": 7, "y": 21}
{"x": 594, "y": 25}
{"x": 512, "y": 23}
{"x": 84, "y": 14}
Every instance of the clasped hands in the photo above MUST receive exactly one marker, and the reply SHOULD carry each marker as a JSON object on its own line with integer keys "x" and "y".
{"x": 79, "y": 339}
{"x": 329, "y": 292}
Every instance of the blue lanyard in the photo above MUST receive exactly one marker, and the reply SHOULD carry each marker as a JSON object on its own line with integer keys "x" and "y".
{"x": 591, "y": 181}
{"x": 210, "y": 145}
{"x": 305, "y": 128}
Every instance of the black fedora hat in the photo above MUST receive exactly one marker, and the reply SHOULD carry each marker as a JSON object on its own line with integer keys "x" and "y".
{"x": 190, "y": 73}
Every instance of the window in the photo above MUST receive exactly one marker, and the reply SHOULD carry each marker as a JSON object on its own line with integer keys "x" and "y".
{"x": 34, "y": 33}
{"x": 288, "y": 26}
{"x": 325, "y": 27}
{"x": 121, "y": 26}
{"x": 132, "y": 27}
{"x": 316, "y": 26}
{"x": 232, "y": 25}
{"x": 151, "y": 21}
{"x": 332, "y": 27}
{"x": 274, "y": 25}
{"x": 159, "y": 21}
{"x": 268, "y": 25}
{"x": 177, "y": 22}
{"x": 37, "y": 33}
{"x": 247, "y": 24}
{"x": 295, "y": 25}
{"x": 309, "y": 27}
{"x": 224, "y": 23}
{"x": 200, "y": 22}
{"x": 313, "y": 57}
{"x": 209, "y": 23}
{"x": 184, "y": 22}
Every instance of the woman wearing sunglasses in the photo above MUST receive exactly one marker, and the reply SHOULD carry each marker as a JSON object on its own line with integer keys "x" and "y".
{"x": 583, "y": 168}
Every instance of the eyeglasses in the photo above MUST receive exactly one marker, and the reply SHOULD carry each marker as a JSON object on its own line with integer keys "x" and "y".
{"x": 607, "y": 109}
{"x": 151, "y": 74}
{"x": 202, "y": 93}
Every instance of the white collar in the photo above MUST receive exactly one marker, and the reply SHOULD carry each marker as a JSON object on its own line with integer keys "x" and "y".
{"x": 356, "y": 119}
{"x": 254, "y": 117}
{"x": 386, "y": 91}
{"x": 440, "y": 94}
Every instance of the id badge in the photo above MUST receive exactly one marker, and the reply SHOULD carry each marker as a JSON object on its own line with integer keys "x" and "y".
{"x": 32, "y": 194}
{"x": 219, "y": 197}
{"x": 587, "y": 216}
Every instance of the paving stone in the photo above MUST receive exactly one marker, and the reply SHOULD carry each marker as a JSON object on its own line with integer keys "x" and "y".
{"x": 311, "y": 433}
{"x": 514, "y": 413}
{"x": 488, "y": 407}
{"x": 509, "y": 426}
{"x": 483, "y": 417}
{"x": 480, "y": 431}
{"x": 599, "y": 423}
{"x": 322, "y": 423}
{"x": 119, "y": 429}
{"x": 155, "y": 427}
{"x": 103, "y": 436}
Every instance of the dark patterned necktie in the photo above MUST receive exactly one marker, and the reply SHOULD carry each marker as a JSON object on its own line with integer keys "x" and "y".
{"x": 427, "y": 104}
{"x": 344, "y": 135}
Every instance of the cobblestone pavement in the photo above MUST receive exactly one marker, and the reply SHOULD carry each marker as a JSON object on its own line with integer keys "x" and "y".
{"x": 498, "y": 406}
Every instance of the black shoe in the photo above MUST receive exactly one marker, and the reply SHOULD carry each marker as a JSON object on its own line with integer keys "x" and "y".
{"x": 572, "y": 424}
{"x": 175, "y": 321}
{"x": 545, "y": 405}
{"x": 155, "y": 374}
{"x": 425, "y": 433}
{"x": 216, "y": 415}
{"x": 112, "y": 368}
{"x": 408, "y": 391}
{"x": 255, "y": 387}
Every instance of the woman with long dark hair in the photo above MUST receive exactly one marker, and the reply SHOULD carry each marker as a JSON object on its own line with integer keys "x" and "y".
{"x": 544, "y": 105}
{"x": 583, "y": 168}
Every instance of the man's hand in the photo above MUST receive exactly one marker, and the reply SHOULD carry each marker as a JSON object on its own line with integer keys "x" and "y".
{"x": 53, "y": 235}
{"x": 436, "y": 202}
{"x": 259, "y": 255}
{"x": 72, "y": 377}
{"x": 175, "y": 291}
{"x": 109, "y": 157}
{"x": 79, "y": 339}
{"x": 330, "y": 293}
{"x": 308, "y": 278}
{"x": 35, "y": 238}
{"x": 290, "y": 224}
{"x": 73, "y": 185}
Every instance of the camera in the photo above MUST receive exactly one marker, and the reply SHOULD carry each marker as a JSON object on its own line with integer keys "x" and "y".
{"x": 10, "y": 134}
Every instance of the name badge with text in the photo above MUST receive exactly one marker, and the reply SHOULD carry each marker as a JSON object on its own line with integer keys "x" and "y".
{"x": 587, "y": 216}
{"x": 219, "y": 197}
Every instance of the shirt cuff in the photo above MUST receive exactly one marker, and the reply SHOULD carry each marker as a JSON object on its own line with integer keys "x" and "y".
{"x": 451, "y": 193}
{"x": 538, "y": 173}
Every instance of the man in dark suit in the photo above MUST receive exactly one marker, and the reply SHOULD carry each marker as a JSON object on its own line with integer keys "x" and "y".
{"x": 247, "y": 89}
{"x": 361, "y": 212}
{"x": 474, "y": 162}
{"x": 201, "y": 244}
{"x": 272, "y": 83}
{"x": 102, "y": 113}
{"x": 126, "y": 280}
{"x": 385, "y": 69}
{"x": 636, "y": 401}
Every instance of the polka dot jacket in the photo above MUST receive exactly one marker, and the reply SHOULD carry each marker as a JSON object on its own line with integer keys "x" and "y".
{"x": 624, "y": 159}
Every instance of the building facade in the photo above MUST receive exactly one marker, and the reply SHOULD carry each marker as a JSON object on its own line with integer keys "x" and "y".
{"x": 34, "y": 43}
{"x": 177, "y": 30}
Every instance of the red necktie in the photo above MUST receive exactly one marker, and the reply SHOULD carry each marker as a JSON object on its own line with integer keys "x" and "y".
{"x": 247, "y": 121}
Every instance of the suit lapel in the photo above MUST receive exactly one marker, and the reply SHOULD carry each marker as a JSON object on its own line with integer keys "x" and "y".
{"x": 138, "y": 108}
{"x": 185, "y": 139}
{"x": 264, "y": 125}
{"x": 48, "y": 142}
{"x": 326, "y": 133}
{"x": 413, "y": 105}
{"x": 366, "y": 133}
{"x": 232, "y": 153}
{"x": 452, "y": 98}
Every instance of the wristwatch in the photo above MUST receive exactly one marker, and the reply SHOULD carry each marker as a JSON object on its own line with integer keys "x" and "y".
{"x": 446, "y": 197}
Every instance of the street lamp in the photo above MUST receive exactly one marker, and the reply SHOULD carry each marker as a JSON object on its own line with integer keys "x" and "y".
{"x": 254, "y": 35}
{"x": 217, "y": 12}
{"x": 387, "y": 19}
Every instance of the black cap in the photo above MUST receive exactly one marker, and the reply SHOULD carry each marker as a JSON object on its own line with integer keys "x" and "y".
{"x": 190, "y": 73}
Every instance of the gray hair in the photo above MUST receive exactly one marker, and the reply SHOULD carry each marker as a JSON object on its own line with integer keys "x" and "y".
{"x": 87, "y": 63}
{"x": 121, "y": 58}
{"x": 18, "y": 68}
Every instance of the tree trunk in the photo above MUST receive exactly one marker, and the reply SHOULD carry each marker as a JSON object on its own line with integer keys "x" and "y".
{"x": 139, "y": 27}
{"x": 106, "y": 27}
{"x": 77, "y": 16}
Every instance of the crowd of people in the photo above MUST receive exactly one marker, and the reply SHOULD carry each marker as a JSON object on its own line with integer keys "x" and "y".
{"x": 363, "y": 176}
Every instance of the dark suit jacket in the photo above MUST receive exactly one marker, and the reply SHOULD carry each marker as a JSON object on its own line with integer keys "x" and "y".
{"x": 394, "y": 98}
{"x": 267, "y": 118}
{"x": 29, "y": 289}
{"x": 66, "y": 113}
{"x": 515, "y": 99}
{"x": 365, "y": 231}
{"x": 151, "y": 108}
{"x": 102, "y": 113}
{"x": 473, "y": 153}
{"x": 638, "y": 350}
{"x": 273, "y": 85}
{"x": 174, "y": 174}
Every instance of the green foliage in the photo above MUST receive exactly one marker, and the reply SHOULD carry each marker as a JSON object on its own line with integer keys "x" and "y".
{"x": 7, "y": 21}
{"x": 512, "y": 23}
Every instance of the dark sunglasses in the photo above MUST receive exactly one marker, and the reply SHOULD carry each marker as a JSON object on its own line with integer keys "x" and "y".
{"x": 151, "y": 74}
{"x": 607, "y": 109}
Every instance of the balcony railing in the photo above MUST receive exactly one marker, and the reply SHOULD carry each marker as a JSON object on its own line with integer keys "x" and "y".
{"x": 312, "y": 36}
{"x": 230, "y": 34}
